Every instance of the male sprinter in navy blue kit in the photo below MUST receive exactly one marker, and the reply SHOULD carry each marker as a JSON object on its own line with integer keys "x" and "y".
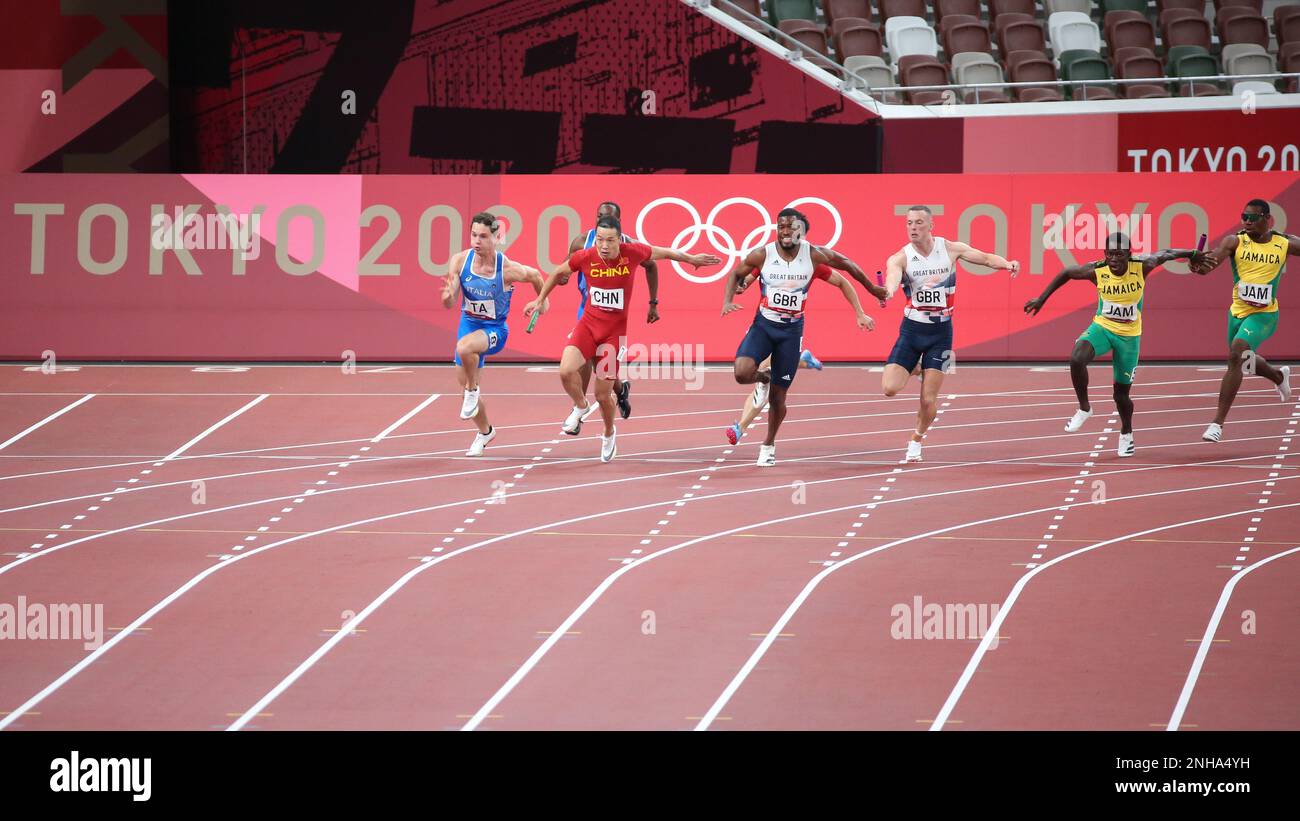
{"x": 622, "y": 387}
{"x": 786, "y": 269}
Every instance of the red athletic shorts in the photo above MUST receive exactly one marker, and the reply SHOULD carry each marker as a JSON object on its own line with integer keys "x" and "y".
{"x": 598, "y": 335}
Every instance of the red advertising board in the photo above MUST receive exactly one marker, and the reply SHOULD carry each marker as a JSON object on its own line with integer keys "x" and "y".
{"x": 354, "y": 264}
{"x": 1249, "y": 139}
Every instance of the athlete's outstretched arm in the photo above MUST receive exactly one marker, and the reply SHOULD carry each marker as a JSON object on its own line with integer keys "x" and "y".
{"x": 518, "y": 272}
{"x": 1033, "y": 306}
{"x": 695, "y": 260}
{"x": 558, "y": 277}
{"x": 894, "y": 273}
{"x": 451, "y": 282}
{"x": 1205, "y": 263}
{"x": 964, "y": 252}
{"x": 833, "y": 258}
{"x": 652, "y": 283}
{"x": 753, "y": 262}
{"x": 1167, "y": 255}
{"x": 851, "y": 296}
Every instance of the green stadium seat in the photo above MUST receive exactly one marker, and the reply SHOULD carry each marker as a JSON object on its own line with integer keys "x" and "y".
{"x": 778, "y": 10}
{"x": 1083, "y": 64}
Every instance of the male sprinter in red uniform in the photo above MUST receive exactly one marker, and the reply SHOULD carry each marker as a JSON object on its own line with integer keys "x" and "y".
{"x": 622, "y": 388}
{"x": 609, "y": 268}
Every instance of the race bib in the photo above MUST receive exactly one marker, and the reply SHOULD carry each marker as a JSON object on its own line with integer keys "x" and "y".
{"x": 481, "y": 308}
{"x": 930, "y": 298}
{"x": 608, "y": 298}
{"x": 1256, "y": 294}
{"x": 1119, "y": 312}
{"x": 782, "y": 300}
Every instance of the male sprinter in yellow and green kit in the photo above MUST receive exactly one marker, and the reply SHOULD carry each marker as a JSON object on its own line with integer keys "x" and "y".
{"x": 1258, "y": 256}
{"x": 1116, "y": 327}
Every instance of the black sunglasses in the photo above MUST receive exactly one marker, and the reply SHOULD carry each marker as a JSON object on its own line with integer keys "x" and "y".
{"x": 1252, "y": 217}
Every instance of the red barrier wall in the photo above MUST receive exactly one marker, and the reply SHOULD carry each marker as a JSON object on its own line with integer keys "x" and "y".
{"x": 104, "y": 293}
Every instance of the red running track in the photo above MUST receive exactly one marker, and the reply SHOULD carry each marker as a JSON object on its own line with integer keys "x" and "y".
{"x": 265, "y": 559}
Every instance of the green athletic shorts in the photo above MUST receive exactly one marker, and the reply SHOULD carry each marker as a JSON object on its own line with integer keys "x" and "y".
{"x": 1255, "y": 328}
{"x": 1125, "y": 348}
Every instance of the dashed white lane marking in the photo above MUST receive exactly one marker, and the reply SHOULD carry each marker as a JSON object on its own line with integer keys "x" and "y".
{"x": 1069, "y": 500}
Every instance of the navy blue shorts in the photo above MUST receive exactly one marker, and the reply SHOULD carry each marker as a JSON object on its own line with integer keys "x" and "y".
{"x": 496, "y": 331}
{"x": 780, "y": 340}
{"x": 927, "y": 342}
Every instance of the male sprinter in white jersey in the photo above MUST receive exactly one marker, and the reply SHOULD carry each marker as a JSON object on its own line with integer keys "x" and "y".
{"x": 757, "y": 398}
{"x": 486, "y": 279}
{"x": 610, "y": 267}
{"x": 1116, "y": 328}
{"x": 927, "y": 269}
{"x": 1258, "y": 255}
{"x": 786, "y": 269}
{"x": 623, "y": 388}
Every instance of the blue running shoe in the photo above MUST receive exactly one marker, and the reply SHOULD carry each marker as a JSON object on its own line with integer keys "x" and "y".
{"x": 734, "y": 433}
{"x": 811, "y": 361}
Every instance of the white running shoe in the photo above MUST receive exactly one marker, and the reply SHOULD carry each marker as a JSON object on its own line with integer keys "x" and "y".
{"x": 592, "y": 407}
{"x": 766, "y": 456}
{"x": 1076, "y": 421}
{"x": 608, "y": 447}
{"x": 1126, "y": 446}
{"x": 573, "y": 423}
{"x": 913, "y": 451}
{"x": 469, "y": 407}
{"x": 1284, "y": 387}
{"x": 760, "y": 394}
{"x": 480, "y": 442}
{"x": 1213, "y": 433}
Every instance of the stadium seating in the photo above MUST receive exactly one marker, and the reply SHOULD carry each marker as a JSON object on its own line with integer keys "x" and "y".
{"x": 854, "y": 37}
{"x": 1169, "y": 43}
{"x": 778, "y": 10}
{"x": 910, "y": 35}
{"x": 810, "y": 34}
{"x": 837, "y": 9}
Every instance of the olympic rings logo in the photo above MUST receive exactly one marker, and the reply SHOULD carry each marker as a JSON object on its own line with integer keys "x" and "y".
{"x": 722, "y": 241}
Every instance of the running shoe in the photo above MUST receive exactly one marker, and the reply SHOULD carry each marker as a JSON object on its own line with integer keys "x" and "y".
{"x": 608, "y": 447}
{"x": 469, "y": 406}
{"x": 760, "y": 394}
{"x": 811, "y": 361}
{"x": 573, "y": 424}
{"x": 1126, "y": 446}
{"x": 1076, "y": 421}
{"x": 1213, "y": 433}
{"x": 1284, "y": 387}
{"x": 480, "y": 442}
{"x": 734, "y": 433}
{"x": 621, "y": 393}
{"x": 913, "y": 451}
{"x": 766, "y": 456}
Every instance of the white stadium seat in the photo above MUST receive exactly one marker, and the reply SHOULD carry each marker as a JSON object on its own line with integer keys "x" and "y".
{"x": 910, "y": 35}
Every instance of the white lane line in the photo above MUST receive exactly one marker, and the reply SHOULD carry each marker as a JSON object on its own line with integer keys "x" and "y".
{"x": 459, "y": 452}
{"x": 989, "y": 635}
{"x": 1207, "y": 640}
{"x": 6, "y": 443}
{"x": 253, "y": 451}
{"x": 401, "y": 582}
{"x": 205, "y": 433}
{"x": 412, "y": 412}
{"x": 1000, "y": 618}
